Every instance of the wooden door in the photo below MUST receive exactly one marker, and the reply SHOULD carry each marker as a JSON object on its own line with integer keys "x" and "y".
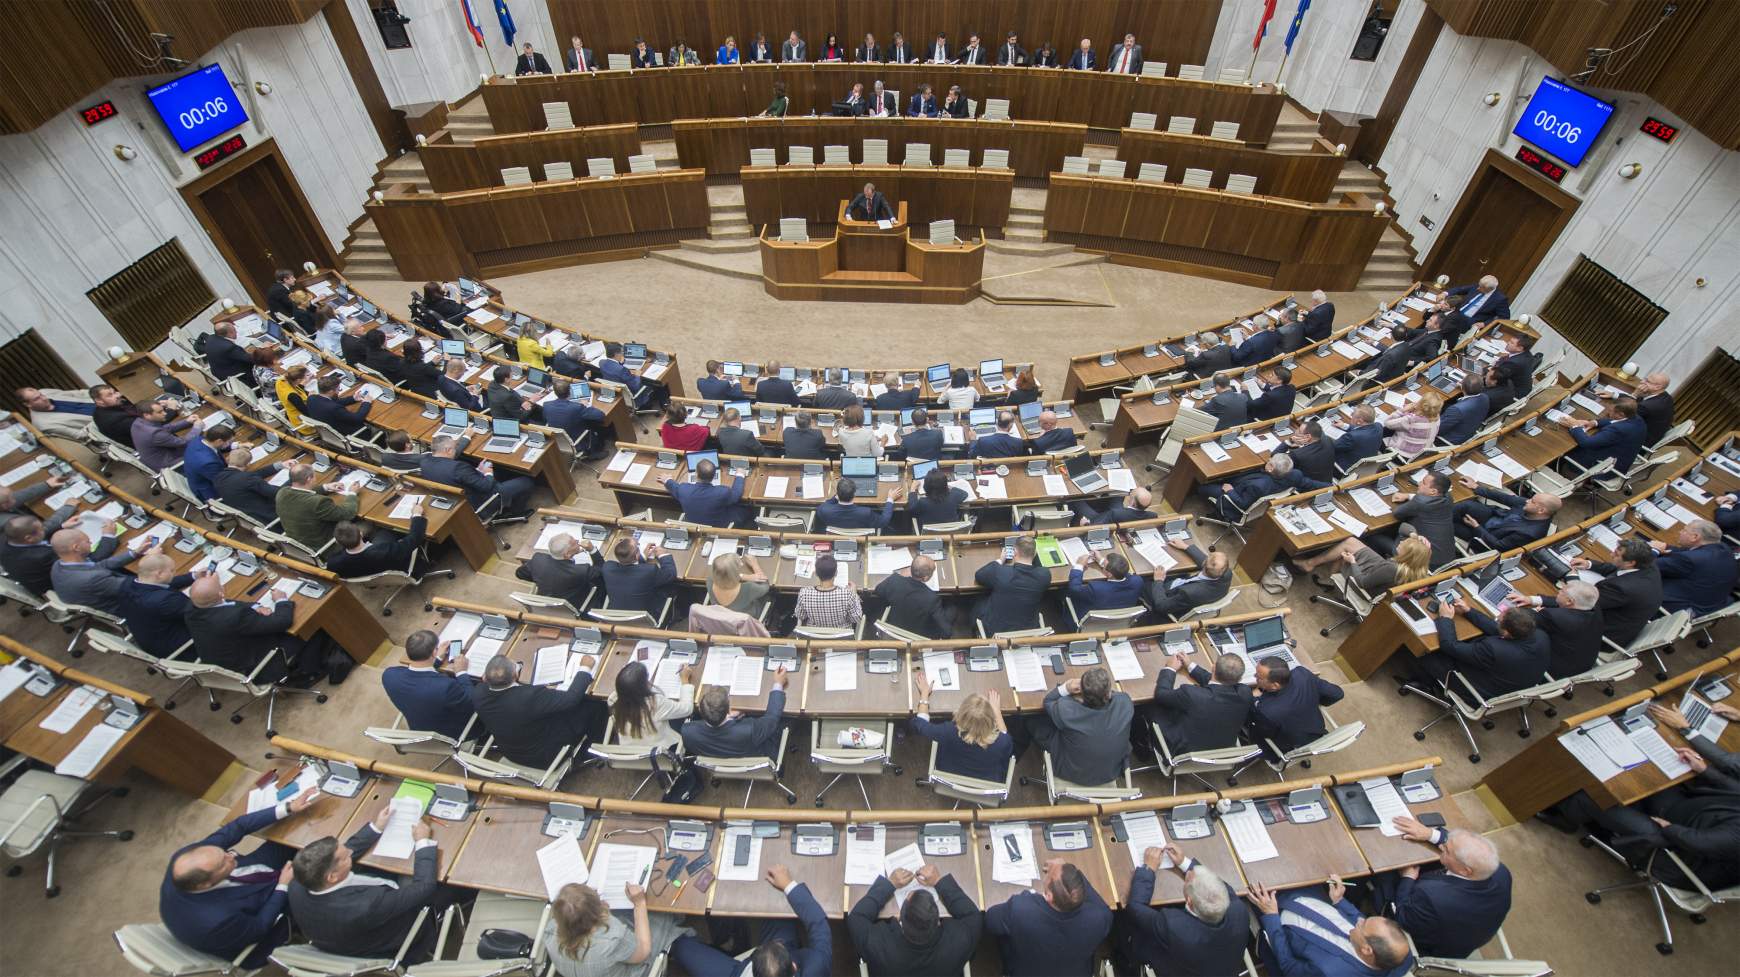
{"x": 256, "y": 214}
{"x": 1507, "y": 219}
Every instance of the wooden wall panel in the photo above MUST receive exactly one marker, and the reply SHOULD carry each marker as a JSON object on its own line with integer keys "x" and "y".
{"x": 971, "y": 197}
{"x": 1296, "y": 176}
{"x": 721, "y": 146}
{"x": 471, "y": 166}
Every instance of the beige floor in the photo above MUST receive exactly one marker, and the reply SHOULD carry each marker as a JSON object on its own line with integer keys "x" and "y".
{"x": 108, "y": 884}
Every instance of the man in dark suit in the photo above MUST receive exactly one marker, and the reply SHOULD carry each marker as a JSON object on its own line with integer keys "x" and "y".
{"x": 1453, "y": 909}
{"x": 758, "y": 51}
{"x": 1466, "y": 413}
{"x": 642, "y": 55}
{"x": 1428, "y": 512}
{"x": 1084, "y": 59}
{"x": 1361, "y": 439}
{"x": 1510, "y": 654}
{"x": 532, "y": 723}
{"x": 561, "y": 572}
{"x": 1288, "y": 710}
{"x": 219, "y": 902}
{"x": 442, "y": 464}
{"x": 1654, "y": 404}
{"x": 912, "y": 605}
{"x": 502, "y": 401}
{"x": 1052, "y": 436}
{"x": 1478, "y": 303}
{"x": 1618, "y": 434}
{"x": 1229, "y": 407}
{"x": 923, "y": 441}
{"x": 733, "y": 439}
{"x": 718, "y": 732}
{"x": 1126, "y": 57}
{"x": 1119, "y": 589}
{"x": 922, "y": 104}
{"x": 1512, "y": 520}
{"x": 716, "y": 386}
{"x": 453, "y": 389}
{"x": 899, "y": 51}
{"x": 248, "y": 491}
{"x": 708, "y": 503}
{"x": 1206, "y": 712}
{"x": 238, "y": 636}
{"x": 1132, "y": 507}
{"x": 898, "y": 396}
{"x": 870, "y": 205}
{"x": 1319, "y": 321}
{"x": 278, "y": 293}
{"x": 1312, "y": 453}
{"x": 1573, "y": 624}
{"x": 883, "y": 104}
{"x": 360, "y": 555}
{"x": 1278, "y": 394}
{"x": 429, "y": 698}
{"x": 1514, "y": 371}
{"x": 921, "y": 940}
{"x": 1630, "y": 589}
{"x": 1004, "y": 443}
{"x": 974, "y": 52}
{"x": 1260, "y": 345}
{"x": 1397, "y": 357}
{"x": 634, "y": 584}
{"x": 225, "y": 357}
{"x": 154, "y": 607}
{"x": 1213, "y": 357}
{"x": 1085, "y": 726}
{"x": 530, "y": 62}
{"x": 1170, "y": 598}
{"x": 938, "y": 52}
{"x": 772, "y": 388}
{"x": 342, "y": 911}
{"x": 27, "y": 557}
{"x": 834, "y": 394}
{"x": 583, "y": 423}
{"x": 113, "y": 414}
{"x": 1204, "y": 937}
{"x": 783, "y": 952}
{"x": 1052, "y": 928}
{"x": 1015, "y": 590}
{"x": 346, "y": 415}
{"x": 1231, "y": 499}
{"x": 578, "y": 57}
{"x": 1697, "y": 573}
{"x": 954, "y": 105}
{"x": 842, "y": 511}
{"x": 1012, "y": 53}
{"x": 804, "y": 440}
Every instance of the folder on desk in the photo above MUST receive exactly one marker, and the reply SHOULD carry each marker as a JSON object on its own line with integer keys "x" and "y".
{"x": 1049, "y": 551}
{"x": 1355, "y": 806}
{"x": 416, "y": 790}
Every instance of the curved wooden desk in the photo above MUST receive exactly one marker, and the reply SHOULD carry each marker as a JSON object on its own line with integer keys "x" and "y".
{"x": 862, "y": 262}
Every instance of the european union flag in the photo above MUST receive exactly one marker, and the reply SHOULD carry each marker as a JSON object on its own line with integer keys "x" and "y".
{"x": 507, "y": 22}
{"x": 1292, "y": 31}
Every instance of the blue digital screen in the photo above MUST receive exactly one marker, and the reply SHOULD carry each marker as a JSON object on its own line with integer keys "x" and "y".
{"x": 1563, "y": 121}
{"x": 198, "y": 107}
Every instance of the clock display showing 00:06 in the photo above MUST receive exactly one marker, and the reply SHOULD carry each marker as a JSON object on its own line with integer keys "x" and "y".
{"x": 1547, "y": 122}
{"x": 200, "y": 114}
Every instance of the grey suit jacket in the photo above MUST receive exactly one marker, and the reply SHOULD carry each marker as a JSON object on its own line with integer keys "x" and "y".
{"x": 366, "y": 920}
{"x": 1092, "y": 745}
{"x": 794, "y": 52}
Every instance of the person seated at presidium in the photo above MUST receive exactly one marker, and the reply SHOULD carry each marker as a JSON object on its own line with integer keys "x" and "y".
{"x": 870, "y": 205}
{"x": 530, "y": 62}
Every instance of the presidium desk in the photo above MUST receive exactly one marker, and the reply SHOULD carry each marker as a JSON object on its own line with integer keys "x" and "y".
{"x": 865, "y": 262}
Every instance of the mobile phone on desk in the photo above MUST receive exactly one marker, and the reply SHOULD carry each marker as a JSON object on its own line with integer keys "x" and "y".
{"x": 1430, "y": 819}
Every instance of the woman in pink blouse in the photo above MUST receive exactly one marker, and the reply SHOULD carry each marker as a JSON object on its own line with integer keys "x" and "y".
{"x": 1415, "y": 428}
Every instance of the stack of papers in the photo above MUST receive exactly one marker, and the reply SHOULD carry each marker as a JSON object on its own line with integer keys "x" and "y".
{"x": 731, "y": 667}
{"x": 1508, "y": 465}
{"x": 1369, "y": 502}
{"x": 1214, "y": 451}
{"x": 72, "y": 708}
{"x": 1120, "y": 479}
{"x": 1250, "y": 837}
{"x": 562, "y": 862}
{"x": 1121, "y": 659}
{"x": 615, "y": 866}
{"x": 866, "y": 852}
{"x": 993, "y": 487}
{"x": 1022, "y": 665}
{"x": 1054, "y": 484}
{"x": 1347, "y": 522}
{"x": 1482, "y": 473}
{"x": 777, "y": 486}
{"x": 840, "y": 671}
{"x": 1151, "y": 546}
{"x": 1145, "y": 832}
{"x": 396, "y": 840}
{"x": 812, "y": 486}
{"x": 1020, "y": 868}
{"x": 885, "y": 560}
{"x": 1659, "y": 752}
{"x": 1386, "y": 803}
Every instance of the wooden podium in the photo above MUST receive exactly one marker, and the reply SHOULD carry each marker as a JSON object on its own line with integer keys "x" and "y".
{"x": 866, "y": 262}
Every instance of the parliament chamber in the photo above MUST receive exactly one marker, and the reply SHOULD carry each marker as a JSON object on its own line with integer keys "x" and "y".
{"x": 627, "y": 489}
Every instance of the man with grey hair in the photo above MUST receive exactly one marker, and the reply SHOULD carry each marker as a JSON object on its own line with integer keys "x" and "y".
{"x": 1231, "y": 499}
{"x": 1698, "y": 572}
{"x": 532, "y": 723}
{"x": 1572, "y": 624}
{"x": 1472, "y": 305}
{"x": 1455, "y": 910}
{"x": 1313, "y": 932}
{"x": 1207, "y": 935}
{"x": 566, "y": 570}
{"x": 1361, "y": 438}
{"x": 443, "y": 464}
{"x": 1654, "y": 404}
{"x": 1319, "y": 322}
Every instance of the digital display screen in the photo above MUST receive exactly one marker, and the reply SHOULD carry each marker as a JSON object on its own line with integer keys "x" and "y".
{"x": 1563, "y": 121}
{"x": 1540, "y": 164}
{"x": 223, "y": 150}
{"x": 98, "y": 112}
{"x": 198, "y": 107}
{"x": 1665, "y": 131}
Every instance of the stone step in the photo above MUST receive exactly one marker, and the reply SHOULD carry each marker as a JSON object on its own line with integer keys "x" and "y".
{"x": 1026, "y": 220}
{"x": 729, "y": 212}
{"x": 726, "y": 195}
{"x": 720, "y": 245}
{"x": 1024, "y": 234}
{"x": 1038, "y": 211}
{"x": 1028, "y": 247}
{"x": 731, "y": 265}
{"x": 1386, "y": 283}
{"x": 370, "y": 266}
{"x": 731, "y": 232}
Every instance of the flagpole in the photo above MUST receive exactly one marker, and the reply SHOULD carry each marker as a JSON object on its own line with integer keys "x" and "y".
{"x": 1285, "y": 54}
{"x": 1256, "y": 49}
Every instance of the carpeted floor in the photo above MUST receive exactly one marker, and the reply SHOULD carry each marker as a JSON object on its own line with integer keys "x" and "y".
{"x": 107, "y": 884}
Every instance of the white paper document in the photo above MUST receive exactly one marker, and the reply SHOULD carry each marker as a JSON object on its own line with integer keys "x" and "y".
{"x": 732, "y": 668}
{"x": 90, "y": 751}
{"x": 885, "y": 560}
{"x": 562, "y": 862}
{"x": 1386, "y": 802}
{"x": 1012, "y": 858}
{"x": 615, "y": 866}
{"x": 636, "y": 473}
{"x": 1612, "y": 740}
{"x": 909, "y": 858}
{"x": 941, "y": 670}
{"x": 811, "y": 486}
{"x": 621, "y": 462}
{"x": 1054, "y": 484}
{"x": 406, "y": 504}
{"x": 1073, "y": 548}
{"x": 396, "y": 840}
{"x": 477, "y": 656}
{"x": 1369, "y": 502}
{"x": 750, "y": 870}
{"x": 1121, "y": 659}
{"x": 1145, "y": 832}
{"x": 1346, "y": 521}
{"x": 1120, "y": 479}
{"x": 1214, "y": 451}
{"x": 1250, "y": 837}
{"x": 72, "y": 708}
{"x": 1659, "y": 752}
{"x": 1023, "y": 667}
{"x": 13, "y": 677}
{"x": 551, "y": 665}
{"x": 840, "y": 671}
{"x": 865, "y": 855}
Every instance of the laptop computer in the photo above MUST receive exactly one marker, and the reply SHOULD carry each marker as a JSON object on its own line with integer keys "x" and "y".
{"x": 1084, "y": 472}
{"x": 983, "y": 420}
{"x": 991, "y": 372}
{"x": 454, "y": 423}
{"x": 1266, "y": 640}
{"x": 921, "y": 469}
{"x": 862, "y": 473}
{"x": 504, "y": 435}
{"x": 693, "y": 459}
{"x": 733, "y": 369}
{"x": 938, "y": 375}
{"x": 1030, "y": 411}
{"x": 537, "y": 382}
{"x": 634, "y": 355}
{"x": 453, "y": 347}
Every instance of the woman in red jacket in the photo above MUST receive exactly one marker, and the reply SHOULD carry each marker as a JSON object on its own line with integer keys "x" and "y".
{"x": 680, "y": 435}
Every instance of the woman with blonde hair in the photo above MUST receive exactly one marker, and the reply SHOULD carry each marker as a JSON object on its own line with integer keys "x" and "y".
{"x": 1413, "y": 561}
{"x": 585, "y": 939}
{"x": 293, "y": 395}
{"x": 856, "y": 440}
{"x": 976, "y": 743}
{"x": 1416, "y": 427}
{"x": 736, "y": 582}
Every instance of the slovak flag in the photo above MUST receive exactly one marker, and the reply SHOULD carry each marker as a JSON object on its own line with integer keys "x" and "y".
{"x": 471, "y": 23}
{"x": 1263, "y": 24}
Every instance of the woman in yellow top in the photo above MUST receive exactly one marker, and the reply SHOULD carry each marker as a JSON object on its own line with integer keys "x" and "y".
{"x": 292, "y": 395}
{"x": 532, "y": 352}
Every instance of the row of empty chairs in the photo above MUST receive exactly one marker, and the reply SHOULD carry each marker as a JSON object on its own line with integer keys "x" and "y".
{"x": 876, "y": 154}
{"x": 597, "y": 166}
{"x": 797, "y": 229}
{"x": 1183, "y": 125}
{"x": 1156, "y": 173}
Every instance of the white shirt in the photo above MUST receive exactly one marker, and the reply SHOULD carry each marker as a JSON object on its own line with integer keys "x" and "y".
{"x": 357, "y": 878}
{"x": 940, "y": 55}
{"x": 1473, "y": 305}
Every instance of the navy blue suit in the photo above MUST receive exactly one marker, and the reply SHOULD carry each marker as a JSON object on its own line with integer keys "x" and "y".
{"x": 1700, "y": 578}
{"x": 833, "y": 512}
{"x": 1317, "y": 324}
{"x": 1292, "y": 717}
{"x": 711, "y": 504}
{"x": 1492, "y": 663}
{"x": 1505, "y": 531}
{"x": 156, "y": 614}
{"x": 925, "y": 443}
{"x": 1176, "y": 943}
{"x": 744, "y": 736}
{"x": 575, "y": 418}
{"x": 775, "y": 390}
{"x": 1276, "y": 401}
{"x": 1040, "y": 941}
{"x": 1496, "y": 306}
{"x": 1251, "y": 486}
{"x": 1056, "y": 439}
{"x": 1357, "y": 444}
{"x": 1106, "y": 592}
{"x": 719, "y": 388}
{"x": 515, "y": 492}
{"x": 638, "y": 586}
{"x": 1016, "y": 592}
{"x": 1619, "y": 440}
{"x": 1260, "y": 346}
{"x": 997, "y": 445}
{"x": 200, "y": 464}
{"x": 456, "y": 393}
{"x": 1449, "y": 916}
{"x": 226, "y": 920}
{"x": 925, "y": 510}
{"x": 430, "y": 700}
{"x": 336, "y": 413}
{"x": 813, "y": 953}
{"x": 957, "y": 756}
{"x": 1462, "y": 418}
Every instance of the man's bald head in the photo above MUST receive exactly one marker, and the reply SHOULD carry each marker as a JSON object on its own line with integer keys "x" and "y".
{"x": 239, "y": 457}
{"x": 922, "y": 568}
{"x": 1141, "y": 498}
{"x": 1047, "y": 420}
{"x": 207, "y": 591}
{"x": 302, "y": 476}
{"x": 71, "y": 545}
{"x": 155, "y": 568}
